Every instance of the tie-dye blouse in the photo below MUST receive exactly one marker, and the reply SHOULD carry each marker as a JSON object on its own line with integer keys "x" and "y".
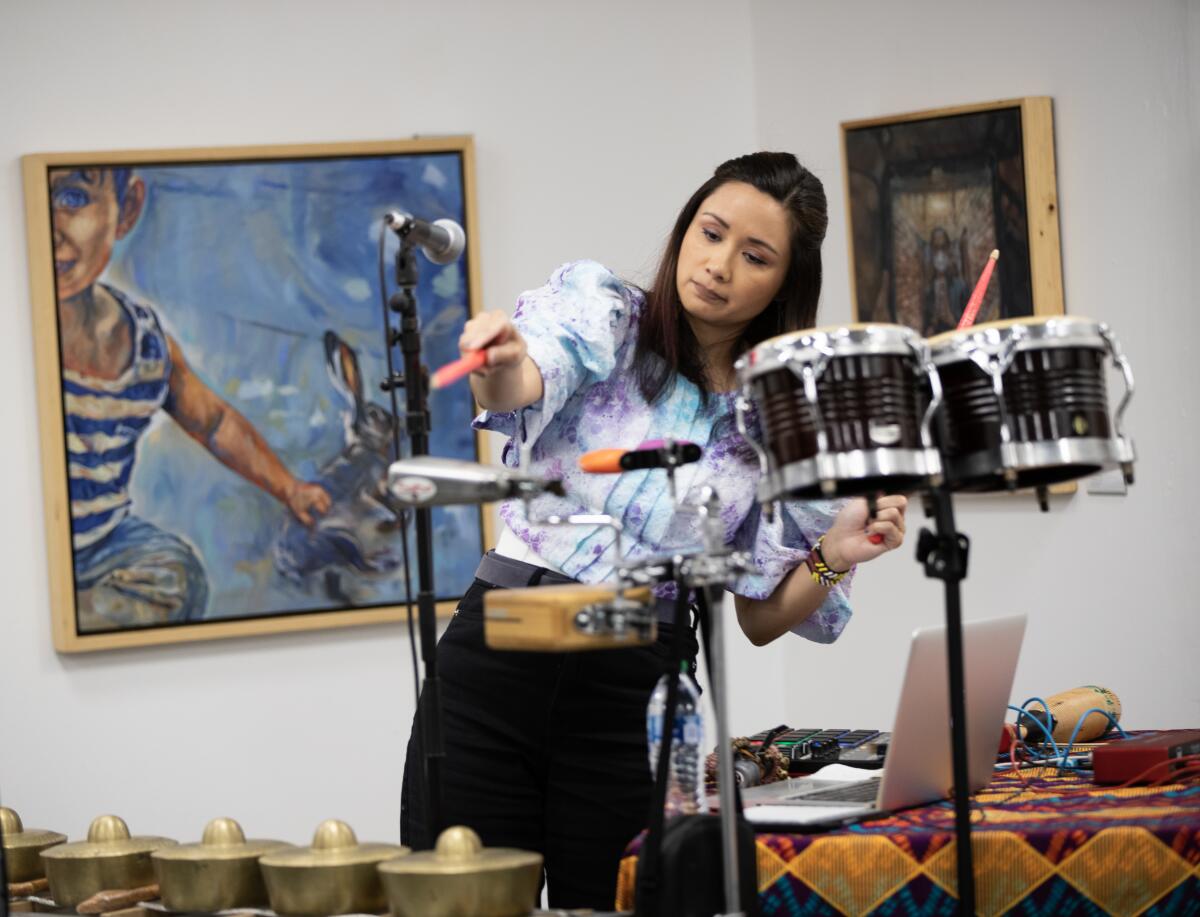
{"x": 581, "y": 332}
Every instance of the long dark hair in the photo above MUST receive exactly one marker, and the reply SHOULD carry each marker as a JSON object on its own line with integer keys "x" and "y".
{"x": 666, "y": 345}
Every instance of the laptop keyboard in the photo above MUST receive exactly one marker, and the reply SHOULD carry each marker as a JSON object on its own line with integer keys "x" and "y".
{"x": 858, "y": 791}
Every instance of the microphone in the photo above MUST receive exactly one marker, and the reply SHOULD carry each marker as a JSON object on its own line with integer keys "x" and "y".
{"x": 442, "y": 240}
{"x": 654, "y": 453}
{"x": 428, "y": 481}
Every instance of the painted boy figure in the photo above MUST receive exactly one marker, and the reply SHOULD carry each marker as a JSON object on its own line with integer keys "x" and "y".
{"x": 118, "y": 369}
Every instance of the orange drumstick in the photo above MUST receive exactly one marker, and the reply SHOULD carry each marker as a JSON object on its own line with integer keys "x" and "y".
{"x": 464, "y": 366}
{"x": 602, "y": 461}
{"x": 976, "y": 300}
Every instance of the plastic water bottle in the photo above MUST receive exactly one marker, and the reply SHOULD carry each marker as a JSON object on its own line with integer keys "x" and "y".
{"x": 685, "y": 784}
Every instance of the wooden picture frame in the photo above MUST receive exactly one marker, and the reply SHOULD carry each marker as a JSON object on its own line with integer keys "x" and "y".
{"x": 984, "y": 175}
{"x": 929, "y": 194}
{"x": 202, "y": 310}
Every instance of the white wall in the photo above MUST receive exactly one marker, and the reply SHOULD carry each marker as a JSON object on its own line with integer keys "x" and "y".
{"x": 1109, "y": 583}
{"x": 592, "y": 122}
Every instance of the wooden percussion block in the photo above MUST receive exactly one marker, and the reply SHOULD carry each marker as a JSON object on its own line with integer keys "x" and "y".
{"x": 542, "y": 618}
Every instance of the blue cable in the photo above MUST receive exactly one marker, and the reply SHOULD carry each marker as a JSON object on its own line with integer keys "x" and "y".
{"x": 1021, "y": 711}
{"x": 1075, "y": 731}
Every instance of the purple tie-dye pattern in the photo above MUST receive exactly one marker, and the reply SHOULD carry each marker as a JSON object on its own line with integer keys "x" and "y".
{"x": 580, "y": 329}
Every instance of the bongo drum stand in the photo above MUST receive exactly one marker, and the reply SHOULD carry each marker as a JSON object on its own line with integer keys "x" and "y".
{"x": 1050, "y": 425}
{"x": 944, "y": 556}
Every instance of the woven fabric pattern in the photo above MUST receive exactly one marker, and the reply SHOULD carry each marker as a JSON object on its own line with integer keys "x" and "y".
{"x": 1057, "y": 846}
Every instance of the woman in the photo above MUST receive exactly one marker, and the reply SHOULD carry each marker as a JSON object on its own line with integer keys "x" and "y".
{"x": 547, "y": 752}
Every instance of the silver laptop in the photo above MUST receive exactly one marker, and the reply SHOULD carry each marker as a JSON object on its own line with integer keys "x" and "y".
{"x": 917, "y": 769}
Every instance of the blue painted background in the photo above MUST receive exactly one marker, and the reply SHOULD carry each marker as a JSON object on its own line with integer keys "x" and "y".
{"x": 247, "y": 266}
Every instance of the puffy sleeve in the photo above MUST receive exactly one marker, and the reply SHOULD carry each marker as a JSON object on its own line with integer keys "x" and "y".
{"x": 781, "y": 545}
{"x": 574, "y": 327}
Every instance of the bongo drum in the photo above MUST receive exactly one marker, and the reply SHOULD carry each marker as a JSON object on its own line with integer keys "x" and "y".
{"x": 1025, "y": 403}
{"x": 568, "y": 616}
{"x": 843, "y": 411}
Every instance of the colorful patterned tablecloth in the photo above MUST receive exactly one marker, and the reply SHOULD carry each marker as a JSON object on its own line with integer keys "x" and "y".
{"x": 1060, "y": 846}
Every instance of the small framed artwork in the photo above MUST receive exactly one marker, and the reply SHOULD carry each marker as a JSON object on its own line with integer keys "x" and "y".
{"x": 208, "y": 327}
{"x": 931, "y": 194}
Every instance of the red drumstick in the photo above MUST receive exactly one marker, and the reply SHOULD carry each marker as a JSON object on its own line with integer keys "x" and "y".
{"x": 463, "y": 366}
{"x": 976, "y": 300}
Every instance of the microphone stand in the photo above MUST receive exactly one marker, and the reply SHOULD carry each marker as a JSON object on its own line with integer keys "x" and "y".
{"x": 712, "y": 601}
{"x": 944, "y": 557}
{"x": 417, "y": 424}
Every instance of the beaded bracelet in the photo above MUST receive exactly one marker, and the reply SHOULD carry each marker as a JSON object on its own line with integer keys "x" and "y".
{"x": 822, "y": 573}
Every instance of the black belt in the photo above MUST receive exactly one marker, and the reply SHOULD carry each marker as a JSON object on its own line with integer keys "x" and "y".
{"x": 510, "y": 573}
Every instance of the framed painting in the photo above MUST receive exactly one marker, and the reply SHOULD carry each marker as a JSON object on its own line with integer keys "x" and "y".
{"x": 930, "y": 194}
{"x": 208, "y": 327}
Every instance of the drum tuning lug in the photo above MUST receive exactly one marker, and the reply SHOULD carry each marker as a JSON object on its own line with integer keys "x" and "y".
{"x": 1127, "y": 470}
{"x": 1043, "y": 498}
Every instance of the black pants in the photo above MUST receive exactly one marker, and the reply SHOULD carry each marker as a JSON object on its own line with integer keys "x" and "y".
{"x": 544, "y": 752}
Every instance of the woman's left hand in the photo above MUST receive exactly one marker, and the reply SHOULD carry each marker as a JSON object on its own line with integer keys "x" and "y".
{"x": 848, "y": 541}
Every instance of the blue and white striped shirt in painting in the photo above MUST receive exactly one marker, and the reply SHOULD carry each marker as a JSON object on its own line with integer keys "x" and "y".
{"x": 105, "y": 418}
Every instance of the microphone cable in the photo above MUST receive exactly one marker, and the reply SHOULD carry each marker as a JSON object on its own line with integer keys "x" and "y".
{"x": 403, "y": 514}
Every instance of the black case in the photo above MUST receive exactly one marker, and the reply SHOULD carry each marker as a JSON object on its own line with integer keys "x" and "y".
{"x": 691, "y": 872}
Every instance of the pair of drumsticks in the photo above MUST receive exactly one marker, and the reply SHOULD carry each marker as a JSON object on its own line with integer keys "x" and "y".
{"x": 477, "y": 359}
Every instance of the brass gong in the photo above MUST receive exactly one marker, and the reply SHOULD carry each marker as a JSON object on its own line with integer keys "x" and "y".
{"x": 23, "y": 847}
{"x": 108, "y": 859}
{"x": 336, "y": 875}
{"x": 219, "y": 873}
{"x": 461, "y": 876}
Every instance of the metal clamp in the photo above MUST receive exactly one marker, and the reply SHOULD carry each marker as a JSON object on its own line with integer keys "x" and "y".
{"x": 703, "y": 569}
{"x": 943, "y": 557}
{"x": 742, "y": 407}
{"x": 617, "y": 617}
{"x": 1114, "y": 349}
{"x": 603, "y": 519}
{"x": 995, "y": 363}
{"x": 808, "y": 372}
{"x": 920, "y": 349}
{"x": 707, "y": 506}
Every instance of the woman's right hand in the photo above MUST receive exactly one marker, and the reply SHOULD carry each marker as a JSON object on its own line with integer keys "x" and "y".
{"x": 494, "y": 332}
